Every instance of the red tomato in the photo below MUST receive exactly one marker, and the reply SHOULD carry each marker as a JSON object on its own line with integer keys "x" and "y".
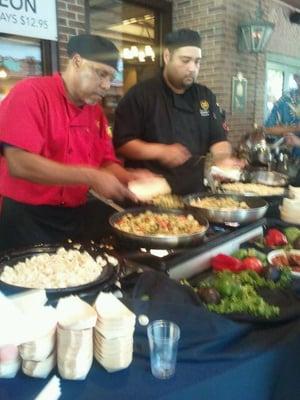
{"x": 252, "y": 263}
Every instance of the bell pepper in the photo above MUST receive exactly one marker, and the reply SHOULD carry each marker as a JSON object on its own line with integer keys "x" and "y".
{"x": 223, "y": 262}
{"x": 252, "y": 263}
{"x": 274, "y": 237}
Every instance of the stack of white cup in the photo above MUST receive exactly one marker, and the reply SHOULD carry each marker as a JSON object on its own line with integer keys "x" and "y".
{"x": 39, "y": 355}
{"x": 290, "y": 208}
{"x": 113, "y": 333}
{"x": 76, "y": 320}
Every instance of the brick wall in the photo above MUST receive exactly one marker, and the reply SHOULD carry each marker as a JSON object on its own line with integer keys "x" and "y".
{"x": 217, "y": 21}
{"x": 285, "y": 38}
{"x": 71, "y": 21}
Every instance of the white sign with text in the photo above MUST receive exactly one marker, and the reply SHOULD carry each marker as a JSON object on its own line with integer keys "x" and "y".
{"x": 32, "y": 18}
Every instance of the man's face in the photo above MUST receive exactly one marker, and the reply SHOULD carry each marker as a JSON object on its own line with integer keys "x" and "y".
{"x": 182, "y": 66}
{"x": 93, "y": 80}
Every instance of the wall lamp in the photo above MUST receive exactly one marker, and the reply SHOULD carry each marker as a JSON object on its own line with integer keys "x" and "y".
{"x": 253, "y": 35}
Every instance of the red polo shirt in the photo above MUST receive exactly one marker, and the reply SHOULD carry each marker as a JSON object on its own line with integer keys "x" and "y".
{"x": 36, "y": 116}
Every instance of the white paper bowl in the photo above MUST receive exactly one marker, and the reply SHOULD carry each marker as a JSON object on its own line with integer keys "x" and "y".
{"x": 276, "y": 253}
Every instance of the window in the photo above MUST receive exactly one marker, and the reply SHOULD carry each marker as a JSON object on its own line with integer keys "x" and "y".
{"x": 279, "y": 78}
{"x": 18, "y": 58}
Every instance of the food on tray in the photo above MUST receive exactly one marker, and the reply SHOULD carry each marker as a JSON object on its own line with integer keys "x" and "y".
{"x": 219, "y": 203}
{"x": 243, "y": 259}
{"x": 274, "y": 237}
{"x": 271, "y": 273}
{"x": 285, "y": 258}
{"x": 290, "y": 210}
{"x": 209, "y": 295}
{"x": 293, "y": 236}
{"x": 146, "y": 189}
{"x": 227, "y": 292}
{"x": 231, "y": 174}
{"x": 280, "y": 261}
{"x": 296, "y": 243}
{"x": 255, "y": 188}
{"x": 168, "y": 201}
{"x": 151, "y": 223}
{"x": 63, "y": 269}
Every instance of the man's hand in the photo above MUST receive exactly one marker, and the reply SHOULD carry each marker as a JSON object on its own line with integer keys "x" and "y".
{"x": 107, "y": 185}
{"x": 292, "y": 140}
{"x": 173, "y": 155}
{"x": 230, "y": 162}
{"x": 139, "y": 173}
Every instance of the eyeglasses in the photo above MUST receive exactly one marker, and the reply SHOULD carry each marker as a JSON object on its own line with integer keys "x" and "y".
{"x": 102, "y": 74}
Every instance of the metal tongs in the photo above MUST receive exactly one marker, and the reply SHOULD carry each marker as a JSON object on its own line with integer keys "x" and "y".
{"x": 106, "y": 201}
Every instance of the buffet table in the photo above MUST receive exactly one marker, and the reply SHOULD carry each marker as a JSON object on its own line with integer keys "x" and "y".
{"x": 219, "y": 357}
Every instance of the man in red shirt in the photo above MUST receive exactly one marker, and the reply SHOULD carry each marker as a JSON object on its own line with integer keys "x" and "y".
{"x": 55, "y": 146}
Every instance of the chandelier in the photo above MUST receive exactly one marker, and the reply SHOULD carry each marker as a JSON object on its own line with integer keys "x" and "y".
{"x": 137, "y": 53}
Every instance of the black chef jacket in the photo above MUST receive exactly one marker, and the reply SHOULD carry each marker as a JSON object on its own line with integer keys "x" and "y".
{"x": 152, "y": 112}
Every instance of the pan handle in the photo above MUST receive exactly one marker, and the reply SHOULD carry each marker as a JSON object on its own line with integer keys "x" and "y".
{"x": 108, "y": 202}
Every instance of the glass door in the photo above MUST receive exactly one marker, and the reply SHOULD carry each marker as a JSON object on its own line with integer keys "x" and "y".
{"x": 136, "y": 27}
{"x": 19, "y": 58}
{"x": 280, "y": 72}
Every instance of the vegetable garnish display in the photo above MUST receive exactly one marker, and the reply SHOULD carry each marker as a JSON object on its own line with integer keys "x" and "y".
{"x": 274, "y": 237}
{"x": 293, "y": 236}
{"x": 232, "y": 287}
{"x": 243, "y": 259}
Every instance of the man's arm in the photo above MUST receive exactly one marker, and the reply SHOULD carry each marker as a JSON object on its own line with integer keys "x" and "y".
{"x": 170, "y": 155}
{"x": 222, "y": 156}
{"x": 282, "y": 129}
{"x": 221, "y": 150}
{"x": 38, "y": 169}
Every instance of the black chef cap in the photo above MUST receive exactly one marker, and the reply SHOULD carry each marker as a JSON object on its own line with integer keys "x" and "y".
{"x": 181, "y": 38}
{"x": 94, "y": 48}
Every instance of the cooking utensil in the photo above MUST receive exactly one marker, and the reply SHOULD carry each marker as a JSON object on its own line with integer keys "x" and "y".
{"x": 277, "y": 143}
{"x": 12, "y": 257}
{"x": 257, "y": 209}
{"x": 106, "y": 201}
{"x": 268, "y": 178}
{"x": 161, "y": 241}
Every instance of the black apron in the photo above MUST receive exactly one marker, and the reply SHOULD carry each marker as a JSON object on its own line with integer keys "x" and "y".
{"x": 23, "y": 225}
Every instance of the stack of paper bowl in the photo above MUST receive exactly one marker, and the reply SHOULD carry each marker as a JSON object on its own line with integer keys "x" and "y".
{"x": 294, "y": 192}
{"x": 113, "y": 333}
{"x": 10, "y": 361}
{"x": 39, "y": 355}
{"x": 290, "y": 210}
{"x": 76, "y": 320}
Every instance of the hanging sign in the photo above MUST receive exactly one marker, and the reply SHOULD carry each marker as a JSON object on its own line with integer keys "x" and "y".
{"x": 31, "y": 18}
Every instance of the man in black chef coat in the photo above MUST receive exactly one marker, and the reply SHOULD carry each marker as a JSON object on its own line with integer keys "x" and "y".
{"x": 168, "y": 123}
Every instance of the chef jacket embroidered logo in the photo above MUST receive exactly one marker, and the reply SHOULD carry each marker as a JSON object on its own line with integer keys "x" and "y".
{"x": 204, "y": 108}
